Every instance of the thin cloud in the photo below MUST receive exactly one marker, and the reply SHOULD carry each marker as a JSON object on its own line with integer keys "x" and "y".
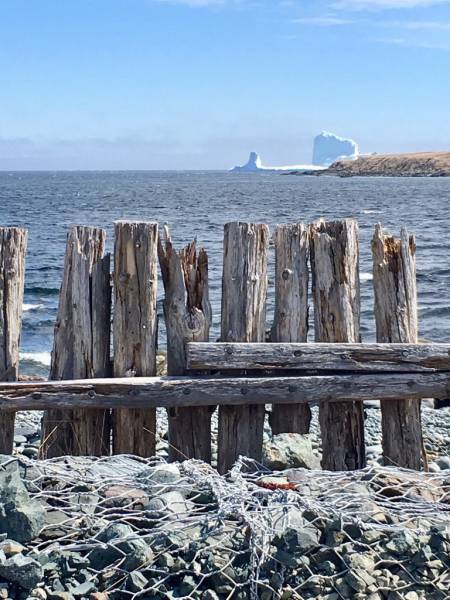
{"x": 385, "y": 4}
{"x": 421, "y": 25}
{"x": 326, "y": 21}
{"x": 414, "y": 44}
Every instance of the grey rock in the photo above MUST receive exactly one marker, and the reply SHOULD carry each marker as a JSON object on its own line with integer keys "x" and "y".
{"x": 298, "y": 540}
{"x": 21, "y": 518}
{"x": 290, "y": 451}
{"x": 120, "y": 543}
{"x": 20, "y": 439}
{"x": 210, "y": 595}
{"x": 163, "y": 474}
{"x": 83, "y": 589}
{"x": 23, "y": 571}
{"x": 136, "y": 582}
{"x": 169, "y": 502}
{"x": 443, "y": 462}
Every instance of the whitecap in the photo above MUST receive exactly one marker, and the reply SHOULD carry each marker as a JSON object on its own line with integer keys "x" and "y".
{"x": 44, "y": 358}
{"x": 366, "y": 277}
{"x": 369, "y": 211}
{"x": 27, "y": 307}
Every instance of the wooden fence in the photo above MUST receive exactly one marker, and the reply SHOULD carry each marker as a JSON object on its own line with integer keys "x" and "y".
{"x": 97, "y": 402}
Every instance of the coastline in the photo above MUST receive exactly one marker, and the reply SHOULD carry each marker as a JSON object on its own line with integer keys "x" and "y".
{"x": 419, "y": 164}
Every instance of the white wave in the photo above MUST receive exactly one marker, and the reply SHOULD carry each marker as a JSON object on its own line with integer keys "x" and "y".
{"x": 38, "y": 357}
{"x": 369, "y": 211}
{"x": 28, "y": 307}
{"x": 366, "y": 277}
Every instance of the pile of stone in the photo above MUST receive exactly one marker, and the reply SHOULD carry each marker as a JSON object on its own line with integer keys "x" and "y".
{"x": 123, "y": 527}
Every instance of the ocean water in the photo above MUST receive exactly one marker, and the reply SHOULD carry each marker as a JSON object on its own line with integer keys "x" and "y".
{"x": 197, "y": 204}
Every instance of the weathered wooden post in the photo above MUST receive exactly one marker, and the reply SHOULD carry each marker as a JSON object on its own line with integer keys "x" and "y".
{"x": 135, "y": 328}
{"x": 187, "y": 313}
{"x": 13, "y": 247}
{"x": 394, "y": 282}
{"x": 336, "y": 294}
{"x": 291, "y": 313}
{"x": 81, "y": 347}
{"x": 244, "y": 291}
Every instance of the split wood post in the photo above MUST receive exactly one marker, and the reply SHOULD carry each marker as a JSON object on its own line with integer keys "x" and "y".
{"x": 394, "y": 282}
{"x": 291, "y": 313}
{"x": 13, "y": 247}
{"x": 81, "y": 346}
{"x": 135, "y": 329}
{"x": 244, "y": 292}
{"x": 336, "y": 294}
{"x": 187, "y": 313}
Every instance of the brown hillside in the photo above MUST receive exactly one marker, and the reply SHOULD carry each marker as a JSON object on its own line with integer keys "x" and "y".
{"x": 420, "y": 164}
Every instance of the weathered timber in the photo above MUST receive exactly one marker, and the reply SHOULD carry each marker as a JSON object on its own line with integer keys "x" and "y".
{"x": 13, "y": 245}
{"x": 291, "y": 313}
{"x": 319, "y": 357}
{"x": 336, "y": 294}
{"x": 81, "y": 344}
{"x": 244, "y": 291}
{"x": 394, "y": 282}
{"x": 134, "y": 328}
{"x": 187, "y": 313}
{"x": 150, "y": 392}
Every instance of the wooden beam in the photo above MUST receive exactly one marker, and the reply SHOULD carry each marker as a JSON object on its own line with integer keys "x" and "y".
{"x": 167, "y": 392}
{"x": 13, "y": 247}
{"x": 334, "y": 250}
{"x": 291, "y": 313}
{"x": 394, "y": 282}
{"x": 396, "y": 358}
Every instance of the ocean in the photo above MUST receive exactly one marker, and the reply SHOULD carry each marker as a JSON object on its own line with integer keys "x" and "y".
{"x": 197, "y": 204}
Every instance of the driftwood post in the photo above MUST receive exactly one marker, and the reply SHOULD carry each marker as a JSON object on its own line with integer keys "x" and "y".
{"x": 291, "y": 313}
{"x": 13, "y": 246}
{"x": 135, "y": 328}
{"x": 187, "y": 313}
{"x": 244, "y": 291}
{"x": 81, "y": 344}
{"x": 394, "y": 282}
{"x": 336, "y": 293}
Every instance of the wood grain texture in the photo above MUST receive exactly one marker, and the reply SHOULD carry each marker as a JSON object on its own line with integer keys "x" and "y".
{"x": 319, "y": 357}
{"x": 135, "y": 328}
{"x": 244, "y": 291}
{"x": 291, "y": 313}
{"x": 394, "y": 282}
{"x": 187, "y": 313}
{"x": 336, "y": 294}
{"x": 81, "y": 344}
{"x": 150, "y": 392}
{"x": 13, "y": 245}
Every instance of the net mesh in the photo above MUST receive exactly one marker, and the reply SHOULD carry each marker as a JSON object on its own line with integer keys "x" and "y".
{"x": 142, "y": 528}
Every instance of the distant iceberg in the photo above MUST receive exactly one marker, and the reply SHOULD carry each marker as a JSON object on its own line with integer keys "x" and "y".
{"x": 329, "y": 147}
{"x": 254, "y": 164}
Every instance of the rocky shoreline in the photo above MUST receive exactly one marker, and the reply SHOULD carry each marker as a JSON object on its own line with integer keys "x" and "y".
{"x": 421, "y": 164}
{"x": 125, "y": 527}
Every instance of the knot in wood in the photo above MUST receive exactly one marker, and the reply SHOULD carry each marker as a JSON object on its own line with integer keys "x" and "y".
{"x": 91, "y": 393}
{"x": 286, "y": 274}
{"x": 36, "y": 395}
{"x": 138, "y": 244}
{"x": 124, "y": 277}
{"x": 292, "y": 388}
{"x": 244, "y": 391}
{"x": 298, "y": 353}
{"x": 228, "y": 350}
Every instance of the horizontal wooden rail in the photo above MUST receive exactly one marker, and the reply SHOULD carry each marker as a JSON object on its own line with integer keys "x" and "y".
{"x": 167, "y": 392}
{"x": 395, "y": 358}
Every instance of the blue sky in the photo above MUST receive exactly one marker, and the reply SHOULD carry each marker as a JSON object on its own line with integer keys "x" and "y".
{"x": 193, "y": 84}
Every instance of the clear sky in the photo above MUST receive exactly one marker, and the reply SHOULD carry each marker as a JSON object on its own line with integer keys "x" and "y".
{"x": 198, "y": 84}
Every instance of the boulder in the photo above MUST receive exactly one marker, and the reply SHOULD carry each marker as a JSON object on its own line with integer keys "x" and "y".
{"x": 21, "y": 570}
{"x": 290, "y": 451}
{"x": 21, "y": 517}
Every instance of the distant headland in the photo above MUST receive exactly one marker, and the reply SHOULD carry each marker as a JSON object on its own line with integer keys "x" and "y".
{"x": 418, "y": 164}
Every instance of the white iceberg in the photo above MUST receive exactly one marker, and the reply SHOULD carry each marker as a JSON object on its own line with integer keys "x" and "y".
{"x": 329, "y": 147}
{"x": 254, "y": 164}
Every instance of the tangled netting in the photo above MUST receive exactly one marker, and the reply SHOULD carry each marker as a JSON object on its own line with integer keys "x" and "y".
{"x": 142, "y": 528}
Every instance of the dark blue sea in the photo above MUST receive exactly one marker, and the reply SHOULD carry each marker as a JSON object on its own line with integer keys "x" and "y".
{"x": 197, "y": 204}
